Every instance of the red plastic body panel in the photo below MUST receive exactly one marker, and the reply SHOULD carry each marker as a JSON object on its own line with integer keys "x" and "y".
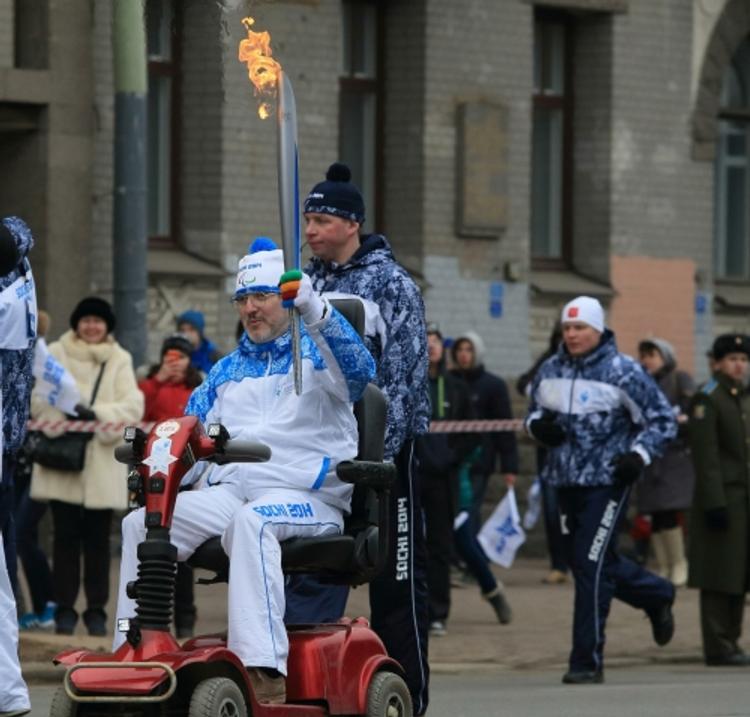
{"x": 328, "y": 664}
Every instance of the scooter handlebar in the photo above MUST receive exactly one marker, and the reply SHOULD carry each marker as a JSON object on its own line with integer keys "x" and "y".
{"x": 124, "y": 454}
{"x": 239, "y": 451}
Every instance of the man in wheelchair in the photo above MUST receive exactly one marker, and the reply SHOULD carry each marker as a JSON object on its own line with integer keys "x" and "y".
{"x": 253, "y": 507}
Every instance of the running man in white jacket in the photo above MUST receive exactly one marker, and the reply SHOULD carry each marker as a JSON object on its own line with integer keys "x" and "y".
{"x": 296, "y": 493}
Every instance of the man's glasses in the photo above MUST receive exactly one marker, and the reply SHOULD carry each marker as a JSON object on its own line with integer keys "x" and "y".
{"x": 256, "y": 298}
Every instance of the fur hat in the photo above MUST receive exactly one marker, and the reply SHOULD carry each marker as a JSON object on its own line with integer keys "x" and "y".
{"x": 730, "y": 344}
{"x": 260, "y": 269}
{"x": 337, "y": 196}
{"x": 93, "y": 306}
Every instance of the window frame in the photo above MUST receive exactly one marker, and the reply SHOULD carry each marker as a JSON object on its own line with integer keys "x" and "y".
{"x": 566, "y": 103}
{"x": 741, "y": 115}
{"x": 171, "y": 68}
{"x": 352, "y": 85}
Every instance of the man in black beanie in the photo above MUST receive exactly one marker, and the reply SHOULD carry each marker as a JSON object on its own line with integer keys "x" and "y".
{"x": 345, "y": 263}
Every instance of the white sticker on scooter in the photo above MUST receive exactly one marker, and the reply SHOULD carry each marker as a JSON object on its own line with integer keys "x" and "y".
{"x": 166, "y": 429}
{"x": 161, "y": 457}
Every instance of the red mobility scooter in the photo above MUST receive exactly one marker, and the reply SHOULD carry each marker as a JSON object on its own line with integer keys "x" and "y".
{"x": 333, "y": 669}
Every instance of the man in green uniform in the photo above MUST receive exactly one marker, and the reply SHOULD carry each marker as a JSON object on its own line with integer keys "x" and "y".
{"x": 719, "y": 554}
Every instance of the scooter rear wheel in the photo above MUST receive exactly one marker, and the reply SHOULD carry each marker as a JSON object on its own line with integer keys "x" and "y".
{"x": 388, "y": 696}
{"x": 217, "y": 697}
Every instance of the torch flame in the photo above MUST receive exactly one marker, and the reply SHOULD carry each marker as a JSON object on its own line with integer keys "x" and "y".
{"x": 262, "y": 69}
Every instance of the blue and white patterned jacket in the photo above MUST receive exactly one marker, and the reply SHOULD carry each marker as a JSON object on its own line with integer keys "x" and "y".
{"x": 607, "y": 405}
{"x": 15, "y": 365}
{"x": 251, "y": 392}
{"x": 396, "y": 337}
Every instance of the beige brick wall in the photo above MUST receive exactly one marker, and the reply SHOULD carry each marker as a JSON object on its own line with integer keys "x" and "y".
{"x": 655, "y": 297}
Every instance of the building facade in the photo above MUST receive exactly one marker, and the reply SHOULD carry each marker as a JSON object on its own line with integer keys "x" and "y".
{"x": 515, "y": 153}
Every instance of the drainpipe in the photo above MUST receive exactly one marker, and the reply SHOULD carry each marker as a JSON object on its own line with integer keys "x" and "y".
{"x": 130, "y": 218}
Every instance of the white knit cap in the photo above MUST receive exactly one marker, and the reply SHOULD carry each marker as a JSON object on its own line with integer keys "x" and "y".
{"x": 586, "y": 310}
{"x": 260, "y": 269}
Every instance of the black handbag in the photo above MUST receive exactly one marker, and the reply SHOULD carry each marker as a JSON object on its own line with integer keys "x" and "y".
{"x": 66, "y": 452}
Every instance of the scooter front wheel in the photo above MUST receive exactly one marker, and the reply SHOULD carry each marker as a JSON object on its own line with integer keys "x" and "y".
{"x": 62, "y": 705}
{"x": 388, "y": 696}
{"x": 217, "y": 697}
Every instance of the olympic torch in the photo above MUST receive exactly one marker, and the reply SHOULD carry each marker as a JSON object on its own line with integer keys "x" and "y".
{"x": 288, "y": 161}
{"x": 269, "y": 79}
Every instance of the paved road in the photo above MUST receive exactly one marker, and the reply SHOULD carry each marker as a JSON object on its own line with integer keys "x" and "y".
{"x": 658, "y": 691}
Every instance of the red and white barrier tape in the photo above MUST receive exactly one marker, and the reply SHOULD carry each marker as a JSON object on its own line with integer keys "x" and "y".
{"x": 487, "y": 426}
{"x": 84, "y": 426}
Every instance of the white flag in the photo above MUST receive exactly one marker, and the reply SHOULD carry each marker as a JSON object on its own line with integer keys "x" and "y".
{"x": 53, "y": 381}
{"x": 502, "y": 534}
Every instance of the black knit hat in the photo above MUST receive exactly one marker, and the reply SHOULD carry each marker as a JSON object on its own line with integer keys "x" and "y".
{"x": 93, "y": 306}
{"x": 730, "y": 344}
{"x": 179, "y": 342}
{"x": 337, "y": 196}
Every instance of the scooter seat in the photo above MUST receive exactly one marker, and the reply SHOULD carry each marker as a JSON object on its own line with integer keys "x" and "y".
{"x": 338, "y": 558}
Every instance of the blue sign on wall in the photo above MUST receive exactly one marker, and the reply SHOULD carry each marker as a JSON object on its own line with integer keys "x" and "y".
{"x": 497, "y": 292}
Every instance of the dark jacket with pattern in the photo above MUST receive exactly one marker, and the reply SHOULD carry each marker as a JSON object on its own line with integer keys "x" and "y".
{"x": 719, "y": 432}
{"x": 15, "y": 365}
{"x": 400, "y": 346}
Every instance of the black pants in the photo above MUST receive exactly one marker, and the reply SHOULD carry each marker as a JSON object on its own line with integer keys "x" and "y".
{"x": 80, "y": 530}
{"x": 721, "y": 623}
{"x": 555, "y": 547}
{"x": 437, "y": 499}
{"x": 7, "y": 522}
{"x": 398, "y": 596}
{"x": 184, "y": 598}
{"x": 589, "y": 519}
{"x": 35, "y": 565}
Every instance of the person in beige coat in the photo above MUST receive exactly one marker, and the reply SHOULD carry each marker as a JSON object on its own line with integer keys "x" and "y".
{"x": 83, "y": 502}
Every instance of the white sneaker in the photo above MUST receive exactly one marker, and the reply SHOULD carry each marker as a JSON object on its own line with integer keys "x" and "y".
{"x": 437, "y": 629}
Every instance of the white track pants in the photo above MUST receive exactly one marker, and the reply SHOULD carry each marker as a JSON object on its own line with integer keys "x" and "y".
{"x": 250, "y": 534}
{"x": 14, "y": 695}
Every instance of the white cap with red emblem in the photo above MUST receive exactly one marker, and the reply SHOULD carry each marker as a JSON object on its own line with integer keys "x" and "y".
{"x": 586, "y": 310}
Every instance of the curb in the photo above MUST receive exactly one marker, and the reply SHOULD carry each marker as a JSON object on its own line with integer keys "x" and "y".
{"x": 46, "y": 673}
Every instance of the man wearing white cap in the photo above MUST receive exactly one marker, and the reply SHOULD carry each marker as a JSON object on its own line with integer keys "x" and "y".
{"x": 297, "y": 492}
{"x": 603, "y": 419}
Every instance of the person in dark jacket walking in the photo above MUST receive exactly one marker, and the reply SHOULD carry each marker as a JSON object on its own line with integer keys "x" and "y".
{"x": 667, "y": 486}
{"x": 719, "y": 550}
{"x": 490, "y": 399}
{"x": 603, "y": 419}
{"x": 347, "y": 264}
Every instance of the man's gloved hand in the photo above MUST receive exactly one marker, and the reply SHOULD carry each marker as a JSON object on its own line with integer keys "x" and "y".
{"x": 297, "y": 291}
{"x": 83, "y": 413}
{"x": 717, "y": 519}
{"x": 547, "y": 431}
{"x": 628, "y": 468}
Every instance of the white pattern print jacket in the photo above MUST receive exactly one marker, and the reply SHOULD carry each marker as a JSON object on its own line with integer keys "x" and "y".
{"x": 251, "y": 392}
{"x": 607, "y": 405}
